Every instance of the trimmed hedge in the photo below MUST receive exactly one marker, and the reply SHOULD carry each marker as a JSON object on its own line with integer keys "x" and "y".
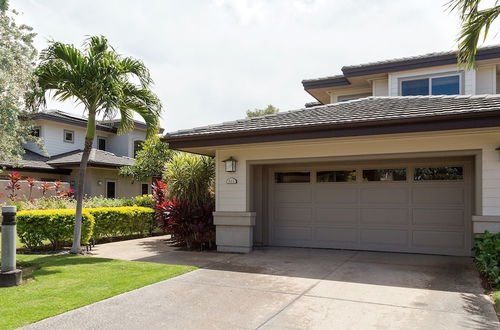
{"x": 35, "y": 227}
{"x": 487, "y": 257}
{"x": 123, "y": 221}
{"x": 56, "y": 226}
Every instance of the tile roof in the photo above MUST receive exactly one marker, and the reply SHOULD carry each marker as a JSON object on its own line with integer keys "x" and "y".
{"x": 97, "y": 157}
{"x": 364, "y": 110}
{"x": 31, "y": 160}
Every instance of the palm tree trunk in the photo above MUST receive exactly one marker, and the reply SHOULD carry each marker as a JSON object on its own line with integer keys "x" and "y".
{"x": 89, "y": 139}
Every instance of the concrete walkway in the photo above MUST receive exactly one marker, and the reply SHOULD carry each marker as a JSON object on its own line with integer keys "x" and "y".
{"x": 287, "y": 288}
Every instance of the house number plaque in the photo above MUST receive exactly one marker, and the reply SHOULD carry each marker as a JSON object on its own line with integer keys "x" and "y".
{"x": 231, "y": 181}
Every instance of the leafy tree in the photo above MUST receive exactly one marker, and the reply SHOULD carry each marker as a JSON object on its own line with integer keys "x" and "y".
{"x": 17, "y": 57}
{"x": 269, "y": 110}
{"x": 150, "y": 160}
{"x": 475, "y": 23}
{"x": 105, "y": 83}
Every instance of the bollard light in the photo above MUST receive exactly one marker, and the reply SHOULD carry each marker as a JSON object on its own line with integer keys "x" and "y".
{"x": 9, "y": 275}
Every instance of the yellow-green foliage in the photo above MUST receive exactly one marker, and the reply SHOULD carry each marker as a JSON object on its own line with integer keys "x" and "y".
{"x": 121, "y": 221}
{"x": 36, "y": 226}
{"x": 56, "y": 225}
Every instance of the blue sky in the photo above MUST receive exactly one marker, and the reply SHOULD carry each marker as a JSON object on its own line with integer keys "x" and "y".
{"x": 213, "y": 60}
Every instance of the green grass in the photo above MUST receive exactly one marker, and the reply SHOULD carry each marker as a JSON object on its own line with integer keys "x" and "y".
{"x": 496, "y": 299}
{"x": 54, "y": 284}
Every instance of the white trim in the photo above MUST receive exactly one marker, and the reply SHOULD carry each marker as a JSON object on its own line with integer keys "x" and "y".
{"x": 72, "y": 135}
{"x": 429, "y": 77}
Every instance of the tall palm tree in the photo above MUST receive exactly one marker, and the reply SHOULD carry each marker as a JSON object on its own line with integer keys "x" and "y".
{"x": 475, "y": 23}
{"x": 105, "y": 83}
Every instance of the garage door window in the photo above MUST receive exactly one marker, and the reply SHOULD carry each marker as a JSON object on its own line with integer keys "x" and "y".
{"x": 292, "y": 177}
{"x": 396, "y": 174}
{"x": 336, "y": 176}
{"x": 439, "y": 173}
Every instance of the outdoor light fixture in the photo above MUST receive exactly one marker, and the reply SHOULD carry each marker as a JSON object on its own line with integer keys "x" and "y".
{"x": 99, "y": 182}
{"x": 230, "y": 164}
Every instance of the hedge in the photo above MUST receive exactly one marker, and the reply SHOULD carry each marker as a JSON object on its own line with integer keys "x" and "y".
{"x": 487, "y": 257}
{"x": 122, "y": 221}
{"x": 56, "y": 226}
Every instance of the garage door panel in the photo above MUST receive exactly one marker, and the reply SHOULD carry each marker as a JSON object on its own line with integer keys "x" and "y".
{"x": 291, "y": 195}
{"x": 439, "y": 239}
{"x": 292, "y": 233}
{"x": 388, "y": 194}
{"x": 336, "y": 195}
{"x": 328, "y": 235}
{"x": 293, "y": 214}
{"x": 438, "y": 217}
{"x": 337, "y": 216}
{"x": 385, "y": 216}
{"x": 384, "y": 236}
{"x": 438, "y": 195}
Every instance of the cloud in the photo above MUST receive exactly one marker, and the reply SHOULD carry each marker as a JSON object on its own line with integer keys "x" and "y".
{"x": 213, "y": 60}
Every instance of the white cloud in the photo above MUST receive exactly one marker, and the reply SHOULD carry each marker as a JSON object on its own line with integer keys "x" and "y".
{"x": 213, "y": 60}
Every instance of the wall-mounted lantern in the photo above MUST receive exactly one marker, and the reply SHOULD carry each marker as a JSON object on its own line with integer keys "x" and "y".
{"x": 99, "y": 182}
{"x": 230, "y": 164}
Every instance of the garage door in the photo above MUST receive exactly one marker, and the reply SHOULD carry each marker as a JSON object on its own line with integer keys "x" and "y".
{"x": 417, "y": 207}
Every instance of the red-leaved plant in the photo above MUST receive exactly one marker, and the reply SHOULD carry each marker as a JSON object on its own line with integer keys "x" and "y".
{"x": 188, "y": 225}
{"x": 58, "y": 188}
{"x": 31, "y": 184}
{"x": 13, "y": 185}
{"x": 45, "y": 187}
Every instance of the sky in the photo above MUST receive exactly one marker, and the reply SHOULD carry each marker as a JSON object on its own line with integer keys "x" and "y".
{"x": 211, "y": 60}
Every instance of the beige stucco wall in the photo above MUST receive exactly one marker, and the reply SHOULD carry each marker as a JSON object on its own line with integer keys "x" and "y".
{"x": 481, "y": 143}
{"x": 125, "y": 187}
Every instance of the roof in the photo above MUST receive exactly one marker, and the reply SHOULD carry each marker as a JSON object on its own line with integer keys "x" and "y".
{"x": 31, "y": 160}
{"x": 398, "y": 64}
{"x": 73, "y": 119}
{"x": 97, "y": 158}
{"x": 369, "y": 111}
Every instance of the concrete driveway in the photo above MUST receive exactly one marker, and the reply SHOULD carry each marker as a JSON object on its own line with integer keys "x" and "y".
{"x": 287, "y": 288}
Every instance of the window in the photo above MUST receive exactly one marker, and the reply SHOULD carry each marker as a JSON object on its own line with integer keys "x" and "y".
{"x": 144, "y": 188}
{"x": 69, "y": 136}
{"x": 438, "y": 173}
{"x": 137, "y": 147}
{"x": 292, "y": 177}
{"x": 398, "y": 174}
{"x": 110, "y": 189}
{"x": 336, "y": 176}
{"x": 447, "y": 85}
{"x": 101, "y": 143}
{"x": 36, "y": 131}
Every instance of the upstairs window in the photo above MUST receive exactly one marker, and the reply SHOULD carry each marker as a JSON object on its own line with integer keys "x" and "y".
{"x": 444, "y": 85}
{"x": 36, "y": 131}
{"x": 101, "y": 143}
{"x": 69, "y": 136}
{"x": 137, "y": 147}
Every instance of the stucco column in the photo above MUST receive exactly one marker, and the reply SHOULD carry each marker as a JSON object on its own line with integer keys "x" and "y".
{"x": 234, "y": 231}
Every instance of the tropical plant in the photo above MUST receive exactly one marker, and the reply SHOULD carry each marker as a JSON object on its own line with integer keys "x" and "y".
{"x": 487, "y": 256}
{"x": 269, "y": 110}
{"x": 105, "y": 83}
{"x": 190, "y": 178}
{"x": 31, "y": 185}
{"x": 17, "y": 57}
{"x": 149, "y": 161}
{"x": 45, "y": 187}
{"x": 475, "y": 25}
{"x": 13, "y": 186}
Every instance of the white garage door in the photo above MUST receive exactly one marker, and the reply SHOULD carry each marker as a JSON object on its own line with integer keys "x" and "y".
{"x": 418, "y": 207}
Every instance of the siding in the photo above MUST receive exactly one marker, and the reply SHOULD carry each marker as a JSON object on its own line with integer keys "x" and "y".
{"x": 380, "y": 87}
{"x": 486, "y": 80}
{"x": 233, "y": 197}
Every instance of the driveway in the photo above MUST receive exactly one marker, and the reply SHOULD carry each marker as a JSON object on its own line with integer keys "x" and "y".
{"x": 291, "y": 288}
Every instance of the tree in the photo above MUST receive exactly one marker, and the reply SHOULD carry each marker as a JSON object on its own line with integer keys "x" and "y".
{"x": 269, "y": 110}
{"x": 150, "y": 160}
{"x": 475, "y": 23}
{"x": 17, "y": 60}
{"x": 105, "y": 83}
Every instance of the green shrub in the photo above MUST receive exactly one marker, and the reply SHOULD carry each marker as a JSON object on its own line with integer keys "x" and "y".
{"x": 487, "y": 256}
{"x": 144, "y": 201}
{"x": 111, "y": 222}
{"x": 56, "y": 226}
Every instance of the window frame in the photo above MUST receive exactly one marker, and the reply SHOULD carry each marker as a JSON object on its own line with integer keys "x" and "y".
{"x": 37, "y": 128}
{"x": 72, "y": 135}
{"x": 105, "y": 142}
{"x": 437, "y": 180}
{"x": 147, "y": 188}
{"x": 407, "y": 170}
{"x": 311, "y": 174}
{"x": 429, "y": 77}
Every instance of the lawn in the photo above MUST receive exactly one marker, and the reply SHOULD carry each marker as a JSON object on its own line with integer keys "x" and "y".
{"x": 496, "y": 299}
{"x": 54, "y": 284}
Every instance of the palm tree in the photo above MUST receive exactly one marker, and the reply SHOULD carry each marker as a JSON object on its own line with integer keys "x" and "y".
{"x": 106, "y": 84}
{"x": 475, "y": 23}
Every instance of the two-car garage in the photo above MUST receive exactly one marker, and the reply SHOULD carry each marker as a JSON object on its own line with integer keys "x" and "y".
{"x": 419, "y": 206}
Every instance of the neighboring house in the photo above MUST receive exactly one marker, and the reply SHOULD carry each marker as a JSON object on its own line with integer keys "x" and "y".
{"x": 63, "y": 136}
{"x": 399, "y": 155}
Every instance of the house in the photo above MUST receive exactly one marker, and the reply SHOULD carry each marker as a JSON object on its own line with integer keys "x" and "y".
{"x": 63, "y": 136}
{"x": 398, "y": 155}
